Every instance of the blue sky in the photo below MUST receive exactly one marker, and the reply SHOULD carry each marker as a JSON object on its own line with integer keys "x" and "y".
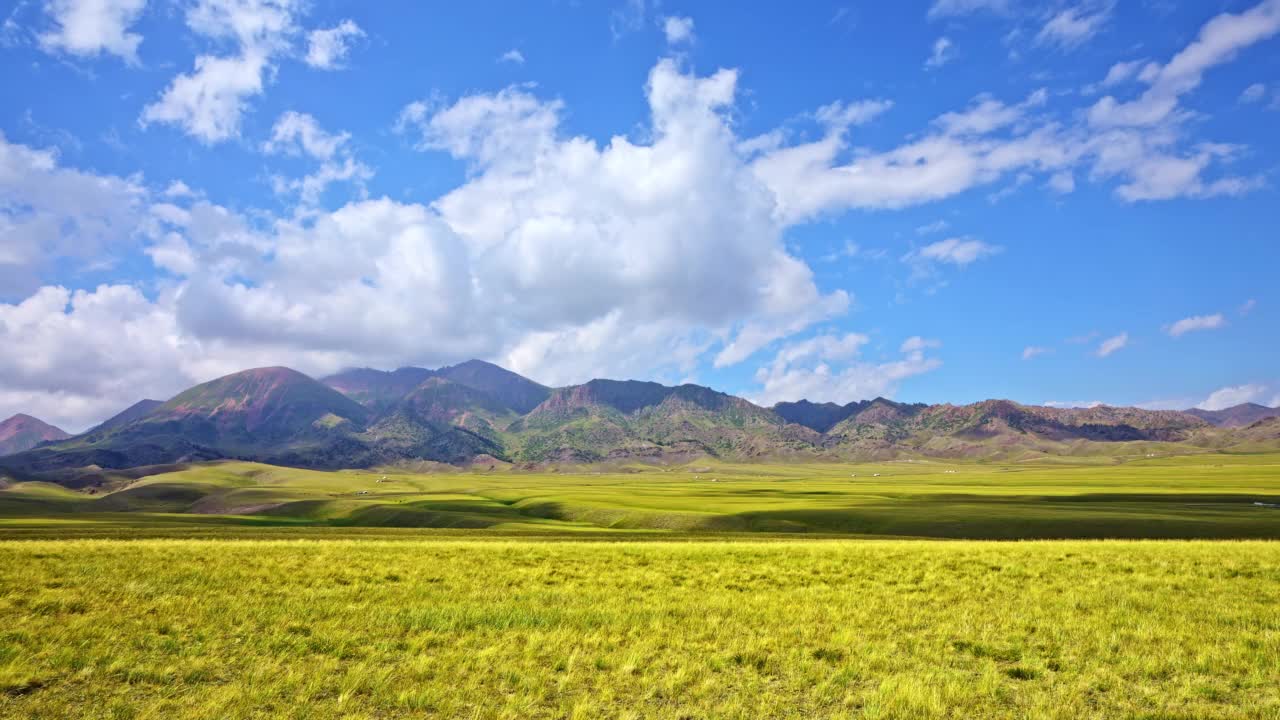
{"x": 1069, "y": 201}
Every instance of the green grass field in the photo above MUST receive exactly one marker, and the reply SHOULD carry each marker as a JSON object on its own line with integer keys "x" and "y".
{"x": 1196, "y": 496}
{"x": 727, "y": 629}
{"x": 712, "y": 590}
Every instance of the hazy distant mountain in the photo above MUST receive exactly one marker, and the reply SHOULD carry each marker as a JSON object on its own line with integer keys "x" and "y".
{"x": 1238, "y": 416}
{"x": 364, "y": 418}
{"x": 23, "y": 432}
{"x": 377, "y": 390}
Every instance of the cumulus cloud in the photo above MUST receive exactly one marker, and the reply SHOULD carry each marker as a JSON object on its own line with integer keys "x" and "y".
{"x": 328, "y": 49}
{"x": 91, "y": 27}
{"x": 563, "y": 257}
{"x": 1113, "y": 344}
{"x": 678, "y": 30}
{"x": 557, "y": 256}
{"x": 1034, "y": 351}
{"x": 513, "y": 56}
{"x": 826, "y": 368}
{"x": 1195, "y": 322}
{"x": 298, "y": 133}
{"x": 1227, "y": 397}
{"x": 208, "y": 102}
{"x": 49, "y": 212}
{"x": 943, "y": 53}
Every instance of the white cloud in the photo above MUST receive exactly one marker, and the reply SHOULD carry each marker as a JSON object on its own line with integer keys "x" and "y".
{"x": 327, "y": 49}
{"x": 678, "y": 30}
{"x": 1253, "y": 93}
{"x": 512, "y": 56}
{"x": 49, "y": 212}
{"x": 178, "y": 189}
{"x": 299, "y": 133}
{"x": 1227, "y": 397}
{"x": 986, "y": 115}
{"x": 824, "y": 369}
{"x": 1196, "y": 322}
{"x": 955, "y": 251}
{"x": 948, "y": 8}
{"x": 563, "y": 257}
{"x": 1122, "y": 72}
{"x": 208, "y": 102}
{"x": 511, "y": 127}
{"x": 1248, "y": 306}
{"x": 1219, "y": 40}
{"x": 936, "y": 226}
{"x": 943, "y": 53}
{"x": 553, "y": 246}
{"x": 1112, "y": 344}
{"x": 1074, "y": 403}
{"x": 296, "y": 132}
{"x": 1033, "y": 351}
{"x": 916, "y": 343}
{"x": 1073, "y": 26}
{"x": 1062, "y": 183}
{"x": 89, "y": 27}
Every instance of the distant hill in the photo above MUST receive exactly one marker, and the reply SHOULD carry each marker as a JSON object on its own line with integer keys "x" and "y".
{"x": 477, "y": 411}
{"x": 1238, "y": 416}
{"x": 23, "y": 432}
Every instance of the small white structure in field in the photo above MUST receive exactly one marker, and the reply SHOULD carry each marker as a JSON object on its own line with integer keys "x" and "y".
{"x": 715, "y": 479}
{"x": 363, "y": 492}
{"x": 853, "y": 475}
{"x": 876, "y": 475}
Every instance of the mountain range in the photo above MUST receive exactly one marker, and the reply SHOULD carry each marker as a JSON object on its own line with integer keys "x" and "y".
{"x": 477, "y": 412}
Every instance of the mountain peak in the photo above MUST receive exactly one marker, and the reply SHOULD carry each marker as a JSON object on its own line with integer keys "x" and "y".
{"x": 511, "y": 389}
{"x": 23, "y": 432}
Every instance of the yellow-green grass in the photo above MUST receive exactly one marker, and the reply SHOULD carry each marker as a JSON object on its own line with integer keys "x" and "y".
{"x": 1201, "y": 496}
{"x": 719, "y": 629}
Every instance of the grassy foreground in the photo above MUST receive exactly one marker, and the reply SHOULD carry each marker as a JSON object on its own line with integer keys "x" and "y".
{"x": 723, "y": 629}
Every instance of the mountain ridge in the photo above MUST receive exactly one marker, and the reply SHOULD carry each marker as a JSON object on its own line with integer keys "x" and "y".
{"x": 366, "y": 417}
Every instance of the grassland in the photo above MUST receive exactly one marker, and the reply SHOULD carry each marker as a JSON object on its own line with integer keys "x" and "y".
{"x": 1196, "y": 496}
{"x": 534, "y": 628}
